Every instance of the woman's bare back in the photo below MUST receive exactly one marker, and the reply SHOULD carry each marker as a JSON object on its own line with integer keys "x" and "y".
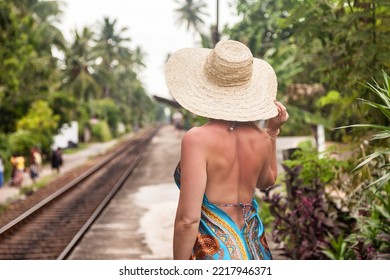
{"x": 235, "y": 159}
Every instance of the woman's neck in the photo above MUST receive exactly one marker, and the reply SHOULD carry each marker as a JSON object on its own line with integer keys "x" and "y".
{"x": 232, "y": 125}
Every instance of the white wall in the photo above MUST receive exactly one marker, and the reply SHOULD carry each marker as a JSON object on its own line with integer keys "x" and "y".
{"x": 68, "y": 132}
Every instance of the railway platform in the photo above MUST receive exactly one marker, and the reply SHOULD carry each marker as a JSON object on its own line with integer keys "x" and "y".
{"x": 138, "y": 224}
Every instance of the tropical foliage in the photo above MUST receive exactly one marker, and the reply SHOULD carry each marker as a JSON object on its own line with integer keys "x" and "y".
{"x": 28, "y": 70}
{"x": 192, "y": 14}
{"x": 373, "y": 237}
{"x": 335, "y": 43}
{"x": 46, "y": 81}
{"x": 338, "y": 209}
{"x": 320, "y": 51}
{"x": 323, "y": 51}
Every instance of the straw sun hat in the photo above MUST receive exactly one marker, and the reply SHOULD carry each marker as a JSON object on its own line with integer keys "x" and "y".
{"x": 225, "y": 83}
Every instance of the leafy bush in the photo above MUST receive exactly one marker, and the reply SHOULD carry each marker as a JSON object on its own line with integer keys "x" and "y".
{"x": 330, "y": 211}
{"x": 5, "y": 154}
{"x": 22, "y": 141}
{"x": 107, "y": 110}
{"x": 382, "y": 131}
{"x": 101, "y": 131}
{"x": 305, "y": 215}
{"x": 266, "y": 216}
{"x": 41, "y": 123}
{"x": 372, "y": 237}
{"x": 339, "y": 249}
{"x": 64, "y": 105}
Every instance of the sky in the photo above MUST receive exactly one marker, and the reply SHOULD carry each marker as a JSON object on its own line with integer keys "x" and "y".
{"x": 151, "y": 25}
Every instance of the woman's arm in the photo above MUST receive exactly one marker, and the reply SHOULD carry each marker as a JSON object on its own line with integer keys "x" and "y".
{"x": 268, "y": 175}
{"x": 192, "y": 188}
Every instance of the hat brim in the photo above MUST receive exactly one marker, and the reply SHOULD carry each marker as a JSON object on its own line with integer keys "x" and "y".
{"x": 192, "y": 90}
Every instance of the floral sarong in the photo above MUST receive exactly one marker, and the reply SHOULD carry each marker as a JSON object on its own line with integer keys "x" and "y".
{"x": 219, "y": 238}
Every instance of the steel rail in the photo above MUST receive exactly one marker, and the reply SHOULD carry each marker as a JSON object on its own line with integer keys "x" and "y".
{"x": 70, "y": 185}
{"x": 77, "y": 238}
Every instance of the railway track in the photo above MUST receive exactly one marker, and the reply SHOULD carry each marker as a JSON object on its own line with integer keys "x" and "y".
{"x": 54, "y": 226}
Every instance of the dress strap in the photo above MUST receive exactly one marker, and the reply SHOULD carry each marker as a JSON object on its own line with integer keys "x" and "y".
{"x": 245, "y": 213}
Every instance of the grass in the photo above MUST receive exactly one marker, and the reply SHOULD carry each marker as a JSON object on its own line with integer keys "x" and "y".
{"x": 81, "y": 146}
{"x": 28, "y": 190}
{"x": 3, "y": 207}
{"x": 41, "y": 183}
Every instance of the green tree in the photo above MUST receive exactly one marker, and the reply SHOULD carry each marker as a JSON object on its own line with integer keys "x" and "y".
{"x": 192, "y": 13}
{"x": 63, "y": 105}
{"x": 28, "y": 69}
{"x": 331, "y": 42}
{"x": 39, "y": 125}
{"x": 94, "y": 67}
{"x": 348, "y": 41}
{"x": 117, "y": 73}
{"x": 111, "y": 48}
{"x": 80, "y": 59}
{"x": 106, "y": 109}
{"x": 138, "y": 57}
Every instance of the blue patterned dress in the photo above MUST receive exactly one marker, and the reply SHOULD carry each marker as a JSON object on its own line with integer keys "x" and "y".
{"x": 219, "y": 238}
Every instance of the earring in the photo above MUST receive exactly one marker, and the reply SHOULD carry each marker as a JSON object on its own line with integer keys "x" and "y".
{"x": 232, "y": 126}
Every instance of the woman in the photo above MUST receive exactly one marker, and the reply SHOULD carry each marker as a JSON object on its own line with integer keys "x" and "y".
{"x": 18, "y": 168}
{"x": 224, "y": 161}
{"x": 56, "y": 159}
{"x": 1, "y": 172}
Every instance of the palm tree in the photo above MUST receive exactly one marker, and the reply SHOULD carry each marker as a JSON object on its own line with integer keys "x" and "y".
{"x": 38, "y": 20}
{"x": 215, "y": 29}
{"x": 45, "y": 15}
{"x": 110, "y": 47}
{"x": 28, "y": 34}
{"x": 138, "y": 57}
{"x": 79, "y": 72}
{"x": 190, "y": 13}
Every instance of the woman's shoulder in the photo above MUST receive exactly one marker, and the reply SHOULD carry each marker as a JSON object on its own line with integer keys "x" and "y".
{"x": 209, "y": 134}
{"x": 195, "y": 134}
{"x": 199, "y": 137}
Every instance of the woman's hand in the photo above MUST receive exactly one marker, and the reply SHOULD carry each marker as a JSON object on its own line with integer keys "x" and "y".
{"x": 275, "y": 123}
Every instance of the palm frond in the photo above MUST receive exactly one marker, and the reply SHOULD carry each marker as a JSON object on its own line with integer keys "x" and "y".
{"x": 371, "y": 157}
{"x": 383, "y": 132}
{"x": 374, "y": 126}
{"x": 381, "y": 181}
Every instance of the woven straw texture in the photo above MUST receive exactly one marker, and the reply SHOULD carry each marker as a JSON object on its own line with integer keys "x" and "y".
{"x": 225, "y": 83}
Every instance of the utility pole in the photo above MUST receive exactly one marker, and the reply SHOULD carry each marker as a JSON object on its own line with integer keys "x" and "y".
{"x": 217, "y": 23}
{"x": 215, "y": 35}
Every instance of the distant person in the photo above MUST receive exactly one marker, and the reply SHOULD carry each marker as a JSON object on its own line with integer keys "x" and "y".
{"x": 56, "y": 160}
{"x": 136, "y": 127}
{"x": 35, "y": 163}
{"x": 224, "y": 161}
{"x": 1, "y": 172}
{"x": 38, "y": 158}
{"x": 18, "y": 168}
{"x": 13, "y": 168}
{"x": 177, "y": 119}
